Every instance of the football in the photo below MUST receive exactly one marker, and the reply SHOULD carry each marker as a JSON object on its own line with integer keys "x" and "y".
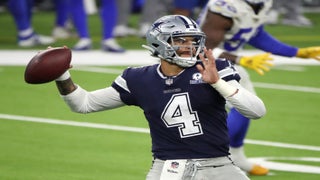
{"x": 47, "y": 65}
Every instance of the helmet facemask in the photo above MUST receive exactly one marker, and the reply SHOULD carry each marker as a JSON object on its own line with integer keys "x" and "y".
{"x": 184, "y": 49}
{"x": 165, "y": 34}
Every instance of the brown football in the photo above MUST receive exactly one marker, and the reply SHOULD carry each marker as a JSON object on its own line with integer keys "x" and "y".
{"x": 47, "y": 65}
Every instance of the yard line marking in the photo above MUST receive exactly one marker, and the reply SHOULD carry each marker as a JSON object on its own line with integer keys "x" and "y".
{"x": 98, "y": 69}
{"x": 74, "y": 123}
{"x": 141, "y": 130}
{"x": 272, "y": 163}
{"x": 286, "y": 87}
{"x": 283, "y": 145}
{"x": 290, "y": 68}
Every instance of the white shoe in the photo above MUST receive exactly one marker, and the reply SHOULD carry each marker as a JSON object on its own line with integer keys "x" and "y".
{"x": 123, "y": 31}
{"x": 300, "y": 21}
{"x": 143, "y": 29}
{"x": 82, "y": 44}
{"x": 61, "y": 33}
{"x": 34, "y": 40}
{"x": 112, "y": 46}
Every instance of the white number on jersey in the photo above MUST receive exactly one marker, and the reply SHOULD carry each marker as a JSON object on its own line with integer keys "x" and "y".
{"x": 178, "y": 113}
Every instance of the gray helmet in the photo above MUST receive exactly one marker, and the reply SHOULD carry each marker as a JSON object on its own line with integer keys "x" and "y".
{"x": 162, "y": 32}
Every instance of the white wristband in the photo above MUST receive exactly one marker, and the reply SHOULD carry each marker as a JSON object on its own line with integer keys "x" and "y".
{"x": 224, "y": 88}
{"x": 216, "y": 52}
{"x": 66, "y": 75}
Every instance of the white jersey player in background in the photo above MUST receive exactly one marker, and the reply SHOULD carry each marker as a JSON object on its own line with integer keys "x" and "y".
{"x": 229, "y": 25}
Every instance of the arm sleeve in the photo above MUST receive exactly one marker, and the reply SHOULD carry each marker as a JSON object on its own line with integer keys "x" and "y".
{"x": 264, "y": 41}
{"x": 82, "y": 101}
{"x": 248, "y": 104}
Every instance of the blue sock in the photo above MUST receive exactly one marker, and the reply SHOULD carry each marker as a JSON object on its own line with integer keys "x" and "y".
{"x": 79, "y": 18}
{"x": 62, "y": 14}
{"x": 108, "y": 17}
{"x": 238, "y": 126}
{"x": 21, "y": 11}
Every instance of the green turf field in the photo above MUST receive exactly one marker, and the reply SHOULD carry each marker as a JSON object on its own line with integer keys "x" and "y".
{"x": 39, "y": 137}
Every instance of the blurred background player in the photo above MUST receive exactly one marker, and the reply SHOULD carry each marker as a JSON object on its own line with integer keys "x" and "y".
{"x": 63, "y": 24}
{"x": 21, "y": 11}
{"x": 125, "y": 9}
{"x": 108, "y": 13}
{"x": 189, "y": 8}
{"x": 150, "y": 11}
{"x": 77, "y": 12}
{"x": 229, "y": 25}
{"x": 291, "y": 12}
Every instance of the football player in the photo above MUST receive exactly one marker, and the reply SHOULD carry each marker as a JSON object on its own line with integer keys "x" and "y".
{"x": 21, "y": 10}
{"x": 183, "y": 98}
{"x": 229, "y": 25}
{"x": 76, "y": 10}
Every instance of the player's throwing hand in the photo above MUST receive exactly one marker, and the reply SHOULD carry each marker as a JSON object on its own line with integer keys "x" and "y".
{"x": 208, "y": 70}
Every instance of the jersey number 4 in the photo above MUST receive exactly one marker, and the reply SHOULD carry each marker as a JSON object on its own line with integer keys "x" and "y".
{"x": 178, "y": 113}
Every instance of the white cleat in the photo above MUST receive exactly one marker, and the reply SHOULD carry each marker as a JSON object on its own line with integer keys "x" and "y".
{"x": 300, "y": 21}
{"x": 61, "y": 33}
{"x": 143, "y": 30}
{"x": 83, "y": 44}
{"x": 35, "y": 40}
{"x": 123, "y": 31}
{"x": 111, "y": 45}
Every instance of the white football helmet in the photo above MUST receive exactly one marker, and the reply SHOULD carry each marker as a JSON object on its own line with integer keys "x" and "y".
{"x": 161, "y": 34}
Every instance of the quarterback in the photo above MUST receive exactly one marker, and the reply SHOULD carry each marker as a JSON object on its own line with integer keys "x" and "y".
{"x": 183, "y": 99}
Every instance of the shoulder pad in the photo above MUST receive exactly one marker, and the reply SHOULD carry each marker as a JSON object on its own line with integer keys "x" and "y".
{"x": 223, "y": 7}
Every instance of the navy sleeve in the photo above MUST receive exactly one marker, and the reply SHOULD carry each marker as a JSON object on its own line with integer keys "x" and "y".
{"x": 121, "y": 86}
{"x": 264, "y": 41}
{"x": 226, "y": 70}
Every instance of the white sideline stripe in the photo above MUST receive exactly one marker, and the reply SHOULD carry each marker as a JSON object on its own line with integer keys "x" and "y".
{"x": 141, "y": 130}
{"x": 283, "y": 145}
{"x": 130, "y": 57}
{"x": 286, "y": 87}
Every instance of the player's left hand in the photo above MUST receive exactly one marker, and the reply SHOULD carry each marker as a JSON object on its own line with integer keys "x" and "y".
{"x": 309, "y": 52}
{"x": 208, "y": 70}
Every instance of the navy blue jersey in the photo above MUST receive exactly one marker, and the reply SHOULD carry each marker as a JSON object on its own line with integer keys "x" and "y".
{"x": 186, "y": 116}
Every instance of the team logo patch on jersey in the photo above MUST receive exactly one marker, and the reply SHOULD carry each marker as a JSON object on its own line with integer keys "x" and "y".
{"x": 196, "y": 79}
{"x": 174, "y": 165}
{"x": 169, "y": 81}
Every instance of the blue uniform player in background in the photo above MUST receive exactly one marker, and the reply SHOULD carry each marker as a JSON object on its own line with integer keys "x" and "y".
{"x": 21, "y": 11}
{"x": 230, "y": 25}
{"x": 183, "y": 98}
